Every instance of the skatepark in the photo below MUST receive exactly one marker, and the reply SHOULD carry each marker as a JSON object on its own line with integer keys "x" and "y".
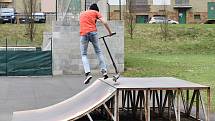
{"x": 64, "y": 97}
{"x": 43, "y": 97}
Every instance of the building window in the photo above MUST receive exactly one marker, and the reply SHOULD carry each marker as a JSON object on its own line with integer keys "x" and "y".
{"x": 139, "y": 6}
{"x": 140, "y": 2}
{"x": 197, "y": 17}
{"x": 161, "y": 2}
{"x": 3, "y": 5}
{"x": 182, "y": 2}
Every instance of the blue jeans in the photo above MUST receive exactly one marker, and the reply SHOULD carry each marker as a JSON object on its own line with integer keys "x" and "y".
{"x": 84, "y": 41}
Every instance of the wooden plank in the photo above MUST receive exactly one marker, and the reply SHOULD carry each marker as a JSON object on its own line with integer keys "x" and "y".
{"x": 187, "y": 102}
{"x": 108, "y": 110}
{"x": 116, "y": 106}
{"x": 161, "y": 102}
{"x": 90, "y": 118}
{"x": 191, "y": 102}
{"x": 203, "y": 106}
{"x": 155, "y": 83}
{"x": 209, "y": 104}
{"x": 146, "y": 105}
{"x": 178, "y": 105}
{"x": 197, "y": 104}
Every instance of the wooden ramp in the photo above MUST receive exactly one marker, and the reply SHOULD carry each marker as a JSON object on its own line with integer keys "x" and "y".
{"x": 162, "y": 95}
{"x": 71, "y": 109}
{"x": 144, "y": 95}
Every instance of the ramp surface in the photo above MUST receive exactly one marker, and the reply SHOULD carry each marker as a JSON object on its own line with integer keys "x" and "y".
{"x": 155, "y": 83}
{"x": 73, "y": 108}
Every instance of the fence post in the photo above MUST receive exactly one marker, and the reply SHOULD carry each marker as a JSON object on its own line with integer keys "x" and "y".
{"x": 6, "y": 57}
{"x": 51, "y": 57}
{"x": 56, "y": 10}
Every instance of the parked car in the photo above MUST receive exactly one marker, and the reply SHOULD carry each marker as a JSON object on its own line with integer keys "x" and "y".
{"x": 160, "y": 19}
{"x": 24, "y": 20}
{"x": 7, "y": 15}
{"x": 39, "y": 17}
{"x": 1, "y": 20}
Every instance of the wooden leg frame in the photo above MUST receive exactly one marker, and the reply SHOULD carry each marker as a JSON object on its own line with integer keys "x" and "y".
{"x": 144, "y": 100}
{"x": 113, "y": 114}
{"x": 172, "y": 100}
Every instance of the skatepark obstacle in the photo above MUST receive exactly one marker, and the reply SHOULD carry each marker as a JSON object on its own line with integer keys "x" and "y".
{"x": 144, "y": 95}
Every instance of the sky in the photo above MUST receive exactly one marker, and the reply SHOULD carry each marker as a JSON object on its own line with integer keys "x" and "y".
{"x": 116, "y": 2}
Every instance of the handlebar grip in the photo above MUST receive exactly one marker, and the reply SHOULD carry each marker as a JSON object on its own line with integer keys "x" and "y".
{"x": 108, "y": 35}
{"x": 113, "y": 33}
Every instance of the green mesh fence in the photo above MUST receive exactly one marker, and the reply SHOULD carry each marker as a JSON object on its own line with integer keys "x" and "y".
{"x": 25, "y": 63}
{"x": 2, "y": 63}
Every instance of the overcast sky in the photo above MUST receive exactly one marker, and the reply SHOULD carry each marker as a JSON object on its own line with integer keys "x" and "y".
{"x": 116, "y": 2}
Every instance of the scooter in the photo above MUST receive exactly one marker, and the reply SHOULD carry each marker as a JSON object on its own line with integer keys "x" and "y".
{"x": 115, "y": 77}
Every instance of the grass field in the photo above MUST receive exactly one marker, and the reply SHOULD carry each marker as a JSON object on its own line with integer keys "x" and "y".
{"x": 16, "y": 35}
{"x": 188, "y": 53}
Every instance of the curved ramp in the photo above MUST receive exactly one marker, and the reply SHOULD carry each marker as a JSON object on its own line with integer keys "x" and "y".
{"x": 73, "y": 108}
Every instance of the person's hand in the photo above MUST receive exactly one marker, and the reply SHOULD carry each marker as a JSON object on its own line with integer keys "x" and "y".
{"x": 112, "y": 33}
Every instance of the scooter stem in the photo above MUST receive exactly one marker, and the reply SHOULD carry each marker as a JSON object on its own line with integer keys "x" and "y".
{"x": 116, "y": 70}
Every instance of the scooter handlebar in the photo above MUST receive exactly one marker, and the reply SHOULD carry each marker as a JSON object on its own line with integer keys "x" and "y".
{"x": 108, "y": 35}
{"x": 113, "y": 33}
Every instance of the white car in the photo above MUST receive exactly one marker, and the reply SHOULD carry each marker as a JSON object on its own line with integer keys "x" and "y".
{"x": 159, "y": 20}
{"x": 39, "y": 17}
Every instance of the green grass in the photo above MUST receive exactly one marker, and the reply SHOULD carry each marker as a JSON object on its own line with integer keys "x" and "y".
{"x": 181, "y": 39}
{"x": 16, "y": 35}
{"x": 197, "y": 68}
{"x": 188, "y": 53}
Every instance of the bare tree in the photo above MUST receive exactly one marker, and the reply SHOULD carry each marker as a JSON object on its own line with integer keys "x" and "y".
{"x": 130, "y": 20}
{"x": 29, "y": 9}
{"x": 164, "y": 24}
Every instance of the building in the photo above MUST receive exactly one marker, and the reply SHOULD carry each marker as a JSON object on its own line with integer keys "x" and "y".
{"x": 18, "y": 5}
{"x": 6, "y": 3}
{"x": 116, "y": 12}
{"x": 184, "y": 11}
{"x": 48, "y": 6}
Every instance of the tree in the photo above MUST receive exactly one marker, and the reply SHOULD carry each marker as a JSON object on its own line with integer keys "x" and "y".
{"x": 130, "y": 20}
{"x": 164, "y": 26}
{"x": 29, "y": 9}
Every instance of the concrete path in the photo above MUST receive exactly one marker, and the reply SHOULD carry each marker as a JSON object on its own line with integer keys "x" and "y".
{"x": 26, "y": 93}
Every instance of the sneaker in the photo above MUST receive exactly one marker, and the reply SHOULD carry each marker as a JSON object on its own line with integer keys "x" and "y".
{"x": 104, "y": 73}
{"x": 88, "y": 77}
